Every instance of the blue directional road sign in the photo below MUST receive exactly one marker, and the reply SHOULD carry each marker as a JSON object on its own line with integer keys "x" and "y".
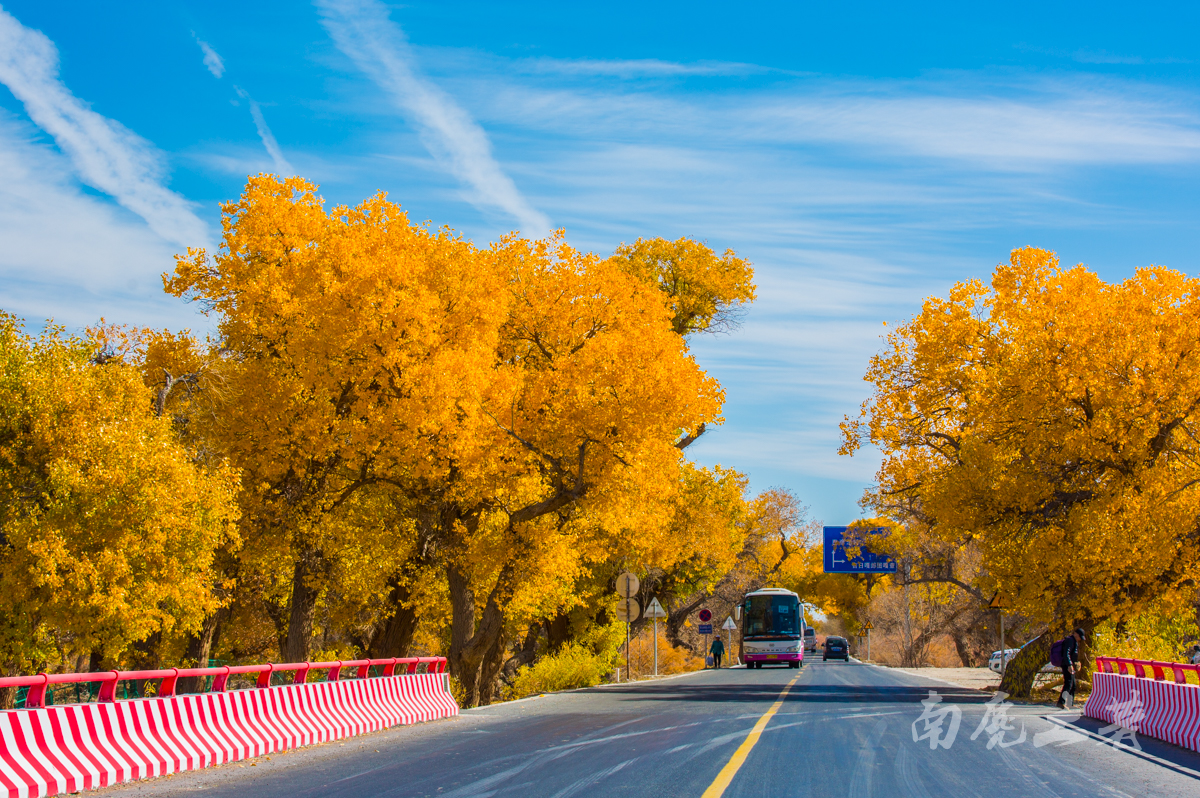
{"x": 706, "y": 628}
{"x": 867, "y": 562}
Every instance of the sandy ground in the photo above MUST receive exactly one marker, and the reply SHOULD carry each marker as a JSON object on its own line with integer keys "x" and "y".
{"x": 975, "y": 678}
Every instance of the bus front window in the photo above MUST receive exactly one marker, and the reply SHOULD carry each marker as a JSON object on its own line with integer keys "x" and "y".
{"x": 772, "y": 615}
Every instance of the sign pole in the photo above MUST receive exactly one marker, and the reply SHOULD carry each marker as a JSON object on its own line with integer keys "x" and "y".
{"x": 998, "y": 605}
{"x": 656, "y": 645}
{"x": 1003, "y": 650}
{"x": 628, "y": 611}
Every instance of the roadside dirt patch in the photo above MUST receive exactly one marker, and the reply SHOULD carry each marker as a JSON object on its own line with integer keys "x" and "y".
{"x": 973, "y": 678}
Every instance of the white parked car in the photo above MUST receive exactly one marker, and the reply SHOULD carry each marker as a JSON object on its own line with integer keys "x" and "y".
{"x": 994, "y": 661}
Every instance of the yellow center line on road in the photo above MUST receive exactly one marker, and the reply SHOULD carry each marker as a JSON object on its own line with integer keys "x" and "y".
{"x": 723, "y": 779}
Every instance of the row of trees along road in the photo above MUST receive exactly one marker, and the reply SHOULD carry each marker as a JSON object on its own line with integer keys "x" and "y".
{"x": 394, "y": 440}
{"x": 1039, "y": 438}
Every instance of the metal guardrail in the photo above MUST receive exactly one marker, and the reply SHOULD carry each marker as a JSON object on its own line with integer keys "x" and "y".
{"x": 1137, "y": 667}
{"x": 37, "y": 685}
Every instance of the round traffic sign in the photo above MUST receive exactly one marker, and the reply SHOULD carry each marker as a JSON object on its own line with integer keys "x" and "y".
{"x": 705, "y": 616}
{"x": 628, "y": 610}
{"x": 627, "y": 585}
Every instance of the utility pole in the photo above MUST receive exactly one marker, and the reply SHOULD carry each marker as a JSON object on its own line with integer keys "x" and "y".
{"x": 998, "y": 606}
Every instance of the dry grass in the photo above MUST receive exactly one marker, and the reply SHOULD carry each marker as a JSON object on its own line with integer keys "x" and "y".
{"x": 670, "y": 659}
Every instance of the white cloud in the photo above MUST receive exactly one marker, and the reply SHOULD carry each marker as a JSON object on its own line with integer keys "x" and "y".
{"x": 362, "y": 30}
{"x": 282, "y": 167}
{"x": 211, "y": 60}
{"x": 106, "y": 155}
{"x": 1008, "y": 123}
{"x": 639, "y": 67}
{"x": 74, "y": 256}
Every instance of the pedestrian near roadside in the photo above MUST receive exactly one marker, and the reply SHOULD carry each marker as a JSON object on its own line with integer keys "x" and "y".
{"x": 1070, "y": 663}
{"x": 717, "y": 651}
{"x": 1195, "y": 660}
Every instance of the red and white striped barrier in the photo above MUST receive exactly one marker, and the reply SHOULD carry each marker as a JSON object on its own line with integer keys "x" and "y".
{"x": 57, "y": 749}
{"x": 1167, "y": 710}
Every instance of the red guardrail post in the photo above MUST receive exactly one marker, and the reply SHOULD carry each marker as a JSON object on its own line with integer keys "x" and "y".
{"x": 167, "y": 686}
{"x": 334, "y": 673}
{"x": 220, "y": 680}
{"x": 302, "y": 673}
{"x": 389, "y": 669}
{"x": 36, "y": 697}
{"x": 108, "y": 689}
{"x": 264, "y": 677}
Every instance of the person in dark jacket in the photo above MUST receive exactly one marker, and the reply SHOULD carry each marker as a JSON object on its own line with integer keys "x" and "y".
{"x": 718, "y": 651}
{"x": 1070, "y": 663}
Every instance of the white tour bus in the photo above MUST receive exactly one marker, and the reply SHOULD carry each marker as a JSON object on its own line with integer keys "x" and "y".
{"x": 772, "y": 628}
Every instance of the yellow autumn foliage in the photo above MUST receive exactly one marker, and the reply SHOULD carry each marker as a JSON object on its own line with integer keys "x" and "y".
{"x": 107, "y": 526}
{"x": 403, "y": 441}
{"x": 1047, "y": 424}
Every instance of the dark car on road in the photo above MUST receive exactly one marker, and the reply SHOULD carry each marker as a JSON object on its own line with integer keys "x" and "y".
{"x": 837, "y": 648}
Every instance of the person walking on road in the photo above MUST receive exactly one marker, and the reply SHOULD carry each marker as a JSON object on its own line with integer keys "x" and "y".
{"x": 1070, "y": 663}
{"x": 1195, "y": 655}
{"x": 717, "y": 651}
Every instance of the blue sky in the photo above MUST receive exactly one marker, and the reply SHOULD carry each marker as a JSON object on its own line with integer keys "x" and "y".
{"x": 863, "y": 158}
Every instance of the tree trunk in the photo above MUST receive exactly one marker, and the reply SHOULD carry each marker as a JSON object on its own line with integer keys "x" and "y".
{"x": 199, "y": 650}
{"x": 301, "y": 612}
{"x": 677, "y": 618}
{"x": 907, "y": 650}
{"x": 469, "y": 647}
{"x": 558, "y": 632}
{"x": 525, "y": 655}
{"x": 489, "y": 670}
{"x": 8, "y": 695}
{"x": 1024, "y": 667}
{"x": 146, "y": 655}
{"x": 395, "y": 635}
{"x": 965, "y": 655}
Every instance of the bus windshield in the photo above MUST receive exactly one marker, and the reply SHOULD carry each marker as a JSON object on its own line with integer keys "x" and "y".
{"x": 771, "y": 615}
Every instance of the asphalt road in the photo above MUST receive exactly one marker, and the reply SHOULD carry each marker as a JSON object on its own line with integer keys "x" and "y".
{"x": 841, "y": 729}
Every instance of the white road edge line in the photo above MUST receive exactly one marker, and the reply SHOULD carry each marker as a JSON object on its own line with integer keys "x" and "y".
{"x": 1126, "y": 748}
{"x": 593, "y": 687}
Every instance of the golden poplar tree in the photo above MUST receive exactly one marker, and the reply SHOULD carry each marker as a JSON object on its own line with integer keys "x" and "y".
{"x": 1046, "y": 423}
{"x": 107, "y": 526}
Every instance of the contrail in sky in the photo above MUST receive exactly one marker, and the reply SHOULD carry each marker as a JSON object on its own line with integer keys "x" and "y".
{"x": 107, "y": 155}
{"x": 362, "y": 30}
{"x": 211, "y": 60}
{"x": 268, "y": 138}
{"x": 216, "y": 66}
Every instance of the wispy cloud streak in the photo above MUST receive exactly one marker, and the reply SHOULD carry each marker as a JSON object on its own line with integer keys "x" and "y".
{"x": 639, "y": 67}
{"x": 107, "y": 155}
{"x": 268, "y": 138}
{"x": 211, "y": 60}
{"x": 363, "y": 31}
